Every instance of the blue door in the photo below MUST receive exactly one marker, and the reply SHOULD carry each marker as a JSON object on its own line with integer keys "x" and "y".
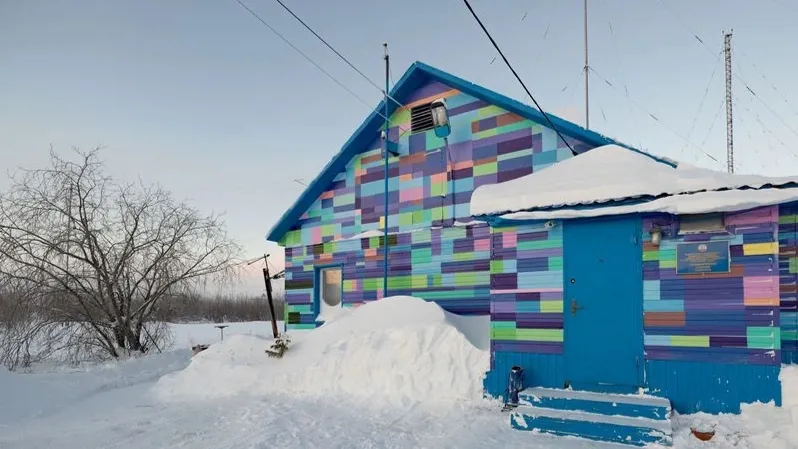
{"x": 603, "y": 303}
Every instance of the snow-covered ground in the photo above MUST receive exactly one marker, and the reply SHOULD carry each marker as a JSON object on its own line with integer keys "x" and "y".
{"x": 188, "y": 335}
{"x": 398, "y": 373}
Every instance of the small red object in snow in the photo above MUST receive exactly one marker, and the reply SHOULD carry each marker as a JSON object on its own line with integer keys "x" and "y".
{"x": 703, "y": 436}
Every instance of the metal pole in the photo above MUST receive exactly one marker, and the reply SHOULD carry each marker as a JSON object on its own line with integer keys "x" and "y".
{"x": 587, "y": 77}
{"x": 385, "y": 149}
{"x": 450, "y": 179}
{"x": 729, "y": 118}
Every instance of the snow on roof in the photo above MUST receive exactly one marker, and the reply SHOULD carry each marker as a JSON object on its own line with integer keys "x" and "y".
{"x": 604, "y": 174}
{"x": 689, "y": 203}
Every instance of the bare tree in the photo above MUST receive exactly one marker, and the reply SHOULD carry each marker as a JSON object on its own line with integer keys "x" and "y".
{"x": 106, "y": 253}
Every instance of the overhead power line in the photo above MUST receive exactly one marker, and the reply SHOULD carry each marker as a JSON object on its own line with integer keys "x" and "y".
{"x": 541, "y": 45}
{"x": 300, "y": 52}
{"x": 510, "y": 66}
{"x": 315, "y": 64}
{"x": 654, "y": 117}
{"x": 343, "y": 58}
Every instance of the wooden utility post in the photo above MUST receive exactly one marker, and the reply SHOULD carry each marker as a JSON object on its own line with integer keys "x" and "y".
{"x": 267, "y": 279}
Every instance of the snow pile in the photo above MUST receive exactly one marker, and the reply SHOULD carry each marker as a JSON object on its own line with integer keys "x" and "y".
{"x": 759, "y": 426}
{"x": 606, "y": 174}
{"x": 398, "y": 350}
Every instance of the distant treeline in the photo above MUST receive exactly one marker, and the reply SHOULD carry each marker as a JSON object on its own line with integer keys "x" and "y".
{"x": 218, "y": 309}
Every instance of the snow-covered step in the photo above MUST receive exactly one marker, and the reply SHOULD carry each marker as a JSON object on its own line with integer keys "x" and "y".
{"x": 631, "y": 405}
{"x": 628, "y": 419}
{"x": 617, "y": 429}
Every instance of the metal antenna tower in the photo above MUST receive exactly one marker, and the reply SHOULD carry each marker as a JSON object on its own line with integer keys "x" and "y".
{"x": 729, "y": 119}
{"x": 587, "y": 74}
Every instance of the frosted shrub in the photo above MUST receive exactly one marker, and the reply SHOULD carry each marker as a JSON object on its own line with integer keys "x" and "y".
{"x": 280, "y": 346}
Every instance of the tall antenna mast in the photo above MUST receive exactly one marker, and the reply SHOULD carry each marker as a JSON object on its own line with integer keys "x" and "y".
{"x": 587, "y": 77}
{"x": 729, "y": 120}
{"x": 385, "y": 160}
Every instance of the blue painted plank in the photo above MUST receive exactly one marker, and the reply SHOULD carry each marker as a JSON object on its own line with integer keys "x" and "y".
{"x": 712, "y": 387}
{"x": 632, "y": 431}
{"x": 634, "y": 406}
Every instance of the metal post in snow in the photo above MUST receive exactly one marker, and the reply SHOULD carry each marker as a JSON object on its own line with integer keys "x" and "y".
{"x": 385, "y": 149}
{"x": 221, "y": 330}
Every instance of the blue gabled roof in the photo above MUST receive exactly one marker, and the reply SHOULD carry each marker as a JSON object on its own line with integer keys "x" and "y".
{"x": 416, "y": 76}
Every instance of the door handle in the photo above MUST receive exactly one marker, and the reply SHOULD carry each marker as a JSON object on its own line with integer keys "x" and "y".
{"x": 574, "y": 307}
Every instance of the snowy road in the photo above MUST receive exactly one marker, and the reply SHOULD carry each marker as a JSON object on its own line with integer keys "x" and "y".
{"x": 372, "y": 380}
{"x": 130, "y": 417}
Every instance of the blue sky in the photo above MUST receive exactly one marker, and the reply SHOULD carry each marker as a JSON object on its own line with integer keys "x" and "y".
{"x": 200, "y": 97}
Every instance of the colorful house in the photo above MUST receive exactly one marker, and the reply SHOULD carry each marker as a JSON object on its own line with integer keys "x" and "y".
{"x": 333, "y": 233}
{"x": 605, "y": 270}
{"x": 676, "y": 279}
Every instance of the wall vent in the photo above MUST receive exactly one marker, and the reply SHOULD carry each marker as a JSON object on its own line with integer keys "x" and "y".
{"x": 701, "y": 223}
{"x": 421, "y": 118}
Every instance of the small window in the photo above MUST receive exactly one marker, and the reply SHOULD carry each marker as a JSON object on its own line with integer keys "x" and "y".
{"x": 421, "y": 118}
{"x": 700, "y": 223}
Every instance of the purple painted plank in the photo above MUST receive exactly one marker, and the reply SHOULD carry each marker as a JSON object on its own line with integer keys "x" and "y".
{"x": 473, "y": 106}
{"x": 526, "y": 346}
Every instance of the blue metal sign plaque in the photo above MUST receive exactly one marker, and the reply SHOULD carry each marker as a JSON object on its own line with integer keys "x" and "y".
{"x": 703, "y": 257}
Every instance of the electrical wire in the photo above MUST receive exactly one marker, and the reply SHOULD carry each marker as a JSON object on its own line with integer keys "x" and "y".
{"x": 783, "y": 122}
{"x": 540, "y": 45}
{"x": 703, "y": 99}
{"x": 740, "y": 121}
{"x": 501, "y": 53}
{"x": 309, "y": 59}
{"x": 349, "y": 63}
{"x": 625, "y": 83}
{"x": 766, "y": 130}
{"x": 654, "y": 117}
{"x": 686, "y": 27}
{"x": 712, "y": 124}
{"x": 762, "y": 74}
{"x": 300, "y": 52}
{"x": 573, "y": 86}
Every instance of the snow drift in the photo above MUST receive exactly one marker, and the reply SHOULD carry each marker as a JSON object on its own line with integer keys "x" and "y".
{"x": 759, "y": 426}
{"x": 399, "y": 350}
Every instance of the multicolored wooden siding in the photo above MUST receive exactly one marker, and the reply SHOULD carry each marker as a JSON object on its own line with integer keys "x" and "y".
{"x": 721, "y": 318}
{"x": 487, "y": 145}
{"x": 448, "y": 265}
{"x": 526, "y": 286}
{"x": 788, "y": 279}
